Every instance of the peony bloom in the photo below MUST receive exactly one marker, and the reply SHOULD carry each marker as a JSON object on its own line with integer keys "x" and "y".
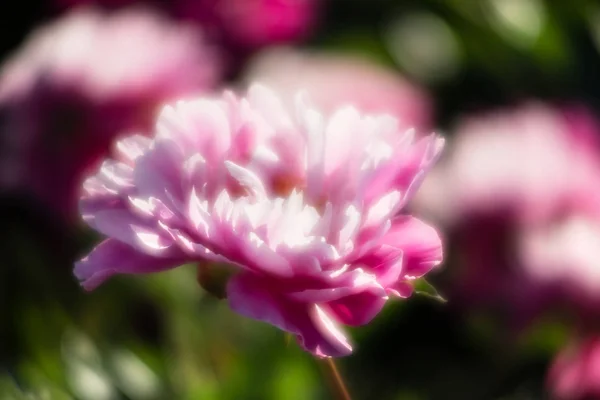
{"x": 243, "y": 25}
{"x": 520, "y": 196}
{"x": 575, "y": 373}
{"x": 332, "y": 80}
{"x": 304, "y": 208}
{"x": 84, "y": 79}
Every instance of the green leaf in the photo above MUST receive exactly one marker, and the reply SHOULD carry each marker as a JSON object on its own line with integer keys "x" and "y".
{"x": 9, "y": 390}
{"x": 213, "y": 277}
{"x": 424, "y": 288}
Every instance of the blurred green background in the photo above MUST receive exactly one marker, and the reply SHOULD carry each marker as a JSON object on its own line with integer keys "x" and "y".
{"x": 162, "y": 337}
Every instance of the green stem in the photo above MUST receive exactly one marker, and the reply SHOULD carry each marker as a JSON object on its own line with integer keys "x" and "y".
{"x": 336, "y": 382}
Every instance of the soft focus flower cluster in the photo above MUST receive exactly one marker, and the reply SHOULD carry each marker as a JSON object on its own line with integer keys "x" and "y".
{"x": 238, "y": 25}
{"x": 519, "y": 194}
{"x": 82, "y": 80}
{"x": 304, "y": 206}
{"x": 520, "y": 190}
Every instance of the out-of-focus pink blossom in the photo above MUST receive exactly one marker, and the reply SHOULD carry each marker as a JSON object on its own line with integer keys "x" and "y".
{"x": 508, "y": 160}
{"x": 245, "y": 24}
{"x": 305, "y": 207}
{"x": 520, "y": 196}
{"x": 333, "y": 79}
{"x": 575, "y": 373}
{"x": 83, "y": 79}
{"x": 254, "y": 23}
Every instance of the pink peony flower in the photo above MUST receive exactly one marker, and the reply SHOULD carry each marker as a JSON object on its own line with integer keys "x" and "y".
{"x": 304, "y": 207}
{"x": 334, "y": 79}
{"x": 520, "y": 196}
{"x": 575, "y": 373}
{"x": 84, "y": 79}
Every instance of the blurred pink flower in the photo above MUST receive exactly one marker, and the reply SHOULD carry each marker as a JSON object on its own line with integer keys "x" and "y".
{"x": 254, "y": 23}
{"x": 80, "y": 81}
{"x": 575, "y": 373}
{"x": 333, "y": 79}
{"x": 305, "y": 207}
{"x": 520, "y": 196}
{"x": 243, "y": 24}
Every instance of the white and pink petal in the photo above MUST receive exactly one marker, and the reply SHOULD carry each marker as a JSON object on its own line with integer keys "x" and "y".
{"x": 114, "y": 257}
{"x": 314, "y": 328}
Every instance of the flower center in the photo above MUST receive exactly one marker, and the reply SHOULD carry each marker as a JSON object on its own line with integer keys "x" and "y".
{"x": 283, "y": 185}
